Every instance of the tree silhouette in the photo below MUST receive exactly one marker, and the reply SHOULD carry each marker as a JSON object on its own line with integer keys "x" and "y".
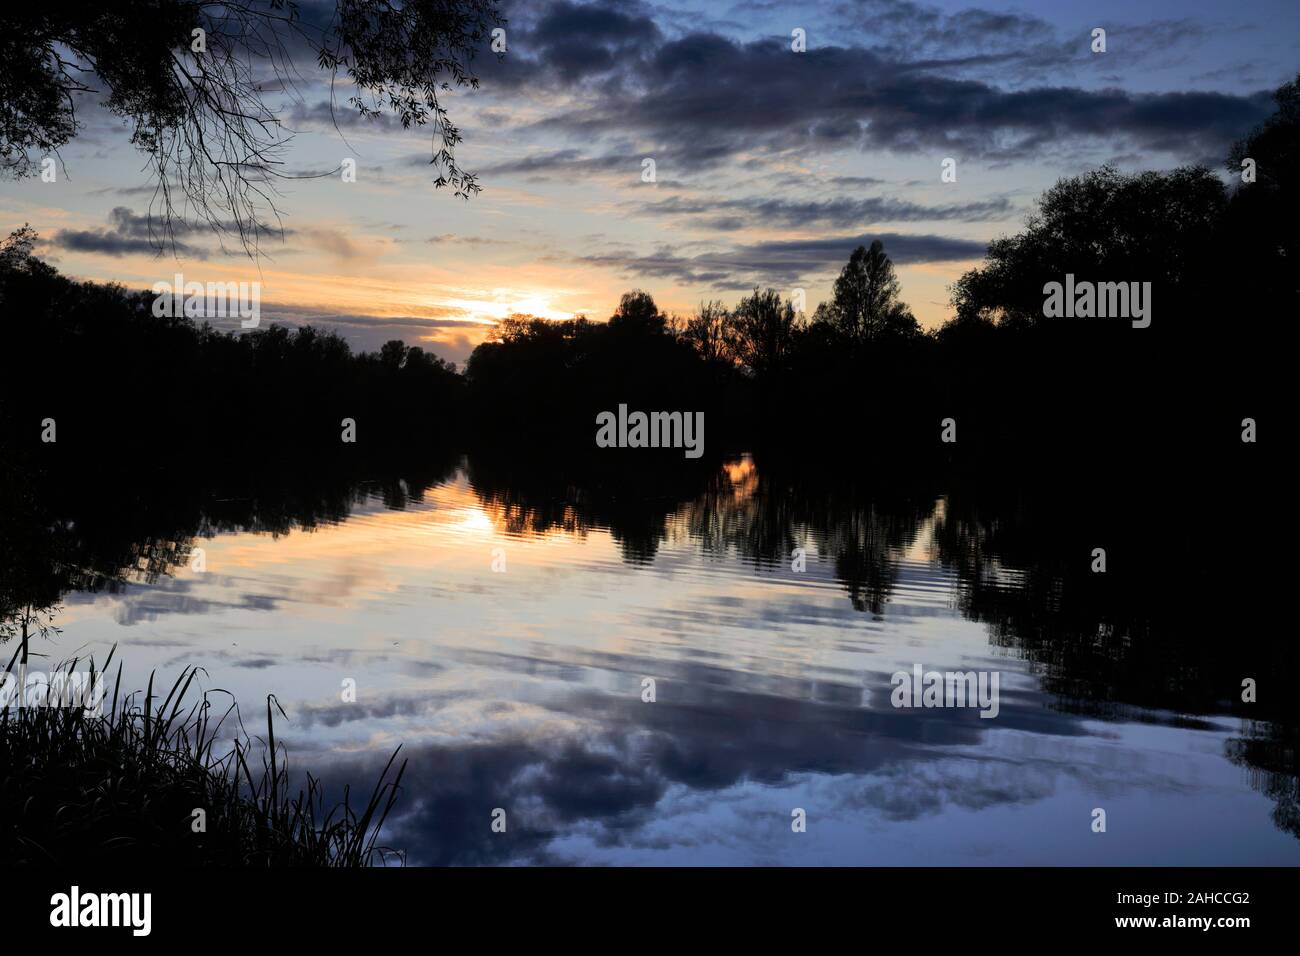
{"x": 762, "y": 332}
{"x": 706, "y": 332}
{"x": 865, "y": 306}
{"x": 1275, "y": 144}
{"x": 1102, "y": 226}
{"x": 637, "y": 314}
{"x": 198, "y": 105}
{"x": 1260, "y": 235}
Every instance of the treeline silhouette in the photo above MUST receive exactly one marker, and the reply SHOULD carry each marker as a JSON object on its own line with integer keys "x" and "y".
{"x": 858, "y": 371}
{"x": 116, "y": 379}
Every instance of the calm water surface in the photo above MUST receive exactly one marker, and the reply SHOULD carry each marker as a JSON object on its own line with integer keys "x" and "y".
{"x": 522, "y": 689}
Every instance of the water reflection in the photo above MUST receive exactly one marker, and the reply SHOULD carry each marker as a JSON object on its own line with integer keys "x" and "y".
{"x": 522, "y": 688}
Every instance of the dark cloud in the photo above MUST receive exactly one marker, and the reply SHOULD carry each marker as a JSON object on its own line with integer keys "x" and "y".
{"x": 837, "y": 213}
{"x": 129, "y": 233}
{"x": 784, "y": 262}
{"x": 1010, "y": 46}
{"x": 720, "y": 95}
{"x": 702, "y": 98}
{"x": 579, "y": 40}
{"x": 566, "y": 162}
{"x": 107, "y": 243}
{"x": 324, "y": 115}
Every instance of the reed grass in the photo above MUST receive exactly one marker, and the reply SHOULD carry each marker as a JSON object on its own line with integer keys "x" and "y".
{"x": 121, "y": 787}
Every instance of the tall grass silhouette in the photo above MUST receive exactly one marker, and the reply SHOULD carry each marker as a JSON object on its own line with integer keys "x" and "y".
{"x": 121, "y": 786}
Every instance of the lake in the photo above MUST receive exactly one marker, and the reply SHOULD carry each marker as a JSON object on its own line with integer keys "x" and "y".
{"x": 502, "y": 629}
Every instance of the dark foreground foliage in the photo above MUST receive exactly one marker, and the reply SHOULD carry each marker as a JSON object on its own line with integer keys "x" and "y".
{"x": 122, "y": 788}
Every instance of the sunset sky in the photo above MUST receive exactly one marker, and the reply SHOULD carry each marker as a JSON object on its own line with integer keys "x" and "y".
{"x": 771, "y": 165}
